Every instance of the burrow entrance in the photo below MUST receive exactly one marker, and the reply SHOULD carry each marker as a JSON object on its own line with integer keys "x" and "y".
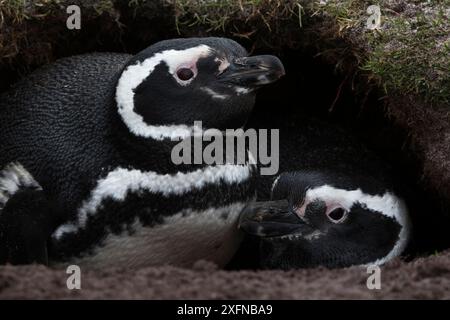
{"x": 312, "y": 87}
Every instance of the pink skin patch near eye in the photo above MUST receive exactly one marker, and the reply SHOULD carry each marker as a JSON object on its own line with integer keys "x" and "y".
{"x": 330, "y": 206}
{"x": 185, "y": 74}
{"x": 191, "y": 66}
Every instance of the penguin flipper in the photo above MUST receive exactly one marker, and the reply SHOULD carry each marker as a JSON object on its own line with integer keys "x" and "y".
{"x": 25, "y": 217}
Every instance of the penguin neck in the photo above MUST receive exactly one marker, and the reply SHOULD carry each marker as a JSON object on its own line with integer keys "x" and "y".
{"x": 155, "y": 153}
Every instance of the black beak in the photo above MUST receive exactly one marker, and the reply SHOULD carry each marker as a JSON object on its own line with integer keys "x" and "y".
{"x": 252, "y": 72}
{"x": 270, "y": 219}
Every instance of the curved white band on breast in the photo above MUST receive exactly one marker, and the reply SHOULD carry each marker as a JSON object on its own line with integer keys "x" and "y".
{"x": 120, "y": 182}
{"x": 135, "y": 74}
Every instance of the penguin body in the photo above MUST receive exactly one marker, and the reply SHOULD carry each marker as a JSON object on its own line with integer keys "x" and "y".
{"x": 311, "y": 144}
{"x": 96, "y": 132}
{"x": 333, "y": 203}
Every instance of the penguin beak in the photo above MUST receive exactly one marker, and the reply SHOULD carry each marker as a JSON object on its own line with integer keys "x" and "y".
{"x": 271, "y": 219}
{"x": 252, "y": 72}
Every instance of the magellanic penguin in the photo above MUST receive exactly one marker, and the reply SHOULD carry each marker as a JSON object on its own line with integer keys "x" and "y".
{"x": 333, "y": 204}
{"x": 86, "y": 146}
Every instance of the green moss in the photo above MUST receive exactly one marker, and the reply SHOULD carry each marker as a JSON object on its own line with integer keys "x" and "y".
{"x": 413, "y": 55}
{"x": 103, "y": 6}
{"x": 22, "y": 26}
{"x": 16, "y": 11}
{"x": 232, "y": 15}
{"x": 409, "y": 53}
{"x": 13, "y": 9}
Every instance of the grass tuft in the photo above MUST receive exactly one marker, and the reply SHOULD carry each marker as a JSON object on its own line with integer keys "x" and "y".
{"x": 409, "y": 53}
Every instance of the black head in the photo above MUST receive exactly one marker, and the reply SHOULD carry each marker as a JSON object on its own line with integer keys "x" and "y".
{"x": 175, "y": 82}
{"x": 313, "y": 220}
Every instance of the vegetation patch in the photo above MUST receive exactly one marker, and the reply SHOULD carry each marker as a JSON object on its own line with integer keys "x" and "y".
{"x": 409, "y": 52}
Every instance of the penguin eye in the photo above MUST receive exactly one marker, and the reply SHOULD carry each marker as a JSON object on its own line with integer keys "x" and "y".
{"x": 337, "y": 215}
{"x": 184, "y": 74}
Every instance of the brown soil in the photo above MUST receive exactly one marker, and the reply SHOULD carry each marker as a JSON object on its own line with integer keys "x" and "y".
{"x": 421, "y": 279}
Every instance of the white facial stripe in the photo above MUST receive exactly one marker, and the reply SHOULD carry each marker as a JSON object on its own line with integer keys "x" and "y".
{"x": 274, "y": 184}
{"x": 241, "y": 90}
{"x": 224, "y": 64}
{"x": 262, "y": 79}
{"x": 135, "y": 74}
{"x": 388, "y": 204}
{"x": 251, "y": 158}
{"x": 121, "y": 181}
{"x": 404, "y": 236}
{"x": 176, "y": 58}
{"x": 214, "y": 94}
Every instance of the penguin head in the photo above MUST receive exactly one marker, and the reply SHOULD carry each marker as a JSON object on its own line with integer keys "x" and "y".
{"x": 317, "y": 219}
{"x": 165, "y": 88}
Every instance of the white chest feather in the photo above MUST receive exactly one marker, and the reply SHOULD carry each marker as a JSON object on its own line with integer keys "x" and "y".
{"x": 181, "y": 240}
{"x": 120, "y": 182}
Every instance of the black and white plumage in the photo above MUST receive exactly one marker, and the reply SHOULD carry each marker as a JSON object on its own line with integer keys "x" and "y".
{"x": 96, "y": 132}
{"x": 333, "y": 204}
{"x": 13, "y": 178}
{"x": 25, "y": 216}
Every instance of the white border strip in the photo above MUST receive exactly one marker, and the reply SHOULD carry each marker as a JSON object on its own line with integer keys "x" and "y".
{"x": 135, "y": 74}
{"x": 389, "y": 205}
{"x": 120, "y": 182}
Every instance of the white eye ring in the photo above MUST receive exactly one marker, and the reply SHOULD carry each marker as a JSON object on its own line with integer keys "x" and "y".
{"x": 184, "y": 74}
{"x": 337, "y": 214}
